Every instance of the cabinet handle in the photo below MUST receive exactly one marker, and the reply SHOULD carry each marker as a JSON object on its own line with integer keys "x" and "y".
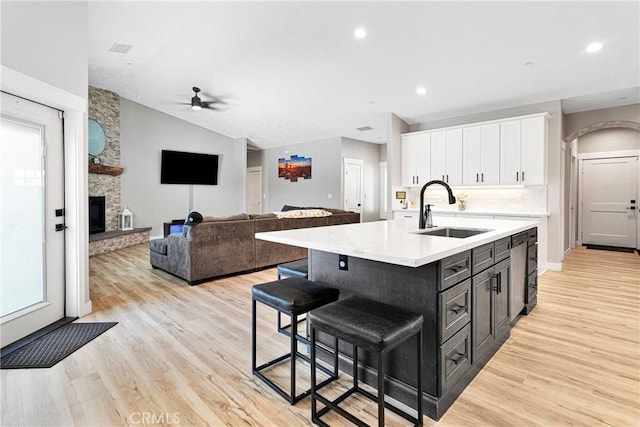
{"x": 417, "y": 179}
{"x": 443, "y": 177}
{"x": 476, "y": 177}
{"x": 457, "y": 268}
{"x": 517, "y": 176}
{"x": 482, "y": 176}
{"x": 498, "y": 278}
{"x": 447, "y": 177}
{"x": 458, "y": 358}
{"x": 458, "y": 308}
{"x": 522, "y": 176}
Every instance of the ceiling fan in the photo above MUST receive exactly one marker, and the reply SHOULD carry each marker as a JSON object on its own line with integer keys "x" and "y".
{"x": 197, "y": 103}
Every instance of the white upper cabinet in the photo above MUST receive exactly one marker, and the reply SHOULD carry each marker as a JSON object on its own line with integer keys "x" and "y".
{"x": 523, "y": 151}
{"x": 446, "y": 156}
{"x": 416, "y": 168}
{"x": 481, "y": 155}
{"x": 511, "y": 151}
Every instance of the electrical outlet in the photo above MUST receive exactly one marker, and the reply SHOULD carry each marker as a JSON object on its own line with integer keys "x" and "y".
{"x": 329, "y": 196}
{"x": 343, "y": 262}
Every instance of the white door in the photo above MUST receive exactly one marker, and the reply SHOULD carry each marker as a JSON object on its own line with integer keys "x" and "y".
{"x": 353, "y": 185}
{"x": 609, "y": 199}
{"x": 31, "y": 218}
{"x": 254, "y": 190}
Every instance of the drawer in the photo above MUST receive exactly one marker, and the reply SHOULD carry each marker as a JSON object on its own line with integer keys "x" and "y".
{"x": 454, "y": 306}
{"x": 532, "y": 286}
{"x": 502, "y": 249}
{"x": 532, "y": 235}
{"x": 482, "y": 257}
{"x": 532, "y": 258}
{"x": 455, "y": 359}
{"x": 454, "y": 269}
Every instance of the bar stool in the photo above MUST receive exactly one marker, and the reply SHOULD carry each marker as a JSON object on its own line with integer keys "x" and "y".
{"x": 298, "y": 268}
{"x": 374, "y": 327}
{"x": 292, "y": 296}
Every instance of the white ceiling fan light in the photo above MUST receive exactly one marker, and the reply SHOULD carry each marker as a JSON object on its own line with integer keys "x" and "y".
{"x": 594, "y": 47}
{"x": 360, "y": 33}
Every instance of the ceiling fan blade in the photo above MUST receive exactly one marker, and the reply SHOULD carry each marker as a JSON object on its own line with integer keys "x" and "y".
{"x": 209, "y": 106}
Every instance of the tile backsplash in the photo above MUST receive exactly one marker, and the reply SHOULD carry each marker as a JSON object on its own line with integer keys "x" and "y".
{"x": 496, "y": 199}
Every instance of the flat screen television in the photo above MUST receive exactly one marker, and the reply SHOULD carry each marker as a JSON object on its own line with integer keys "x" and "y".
{"x": 179, "y": 167}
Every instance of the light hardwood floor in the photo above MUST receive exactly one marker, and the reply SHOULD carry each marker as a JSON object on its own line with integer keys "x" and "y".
{"x": 181, "y": 355}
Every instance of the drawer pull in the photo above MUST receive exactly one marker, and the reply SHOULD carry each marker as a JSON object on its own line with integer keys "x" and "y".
{"x": 459, "y": 358}
{"x": 498, "y": 278}
{"x": 457, "y": 268}
{"x": 458, "y": 308}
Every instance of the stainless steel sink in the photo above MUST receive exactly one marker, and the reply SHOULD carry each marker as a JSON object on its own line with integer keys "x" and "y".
{"x": 458, "y": 233}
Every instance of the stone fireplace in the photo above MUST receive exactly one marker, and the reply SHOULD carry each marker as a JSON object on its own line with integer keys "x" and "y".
{"x": 104, "y": 108}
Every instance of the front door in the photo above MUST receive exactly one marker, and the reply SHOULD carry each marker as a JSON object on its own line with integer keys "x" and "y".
{"x": 609, "y": 201}
{"x": 31, "y": 218}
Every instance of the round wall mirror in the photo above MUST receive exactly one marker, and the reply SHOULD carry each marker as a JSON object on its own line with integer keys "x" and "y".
{"x": 96, "y": 138}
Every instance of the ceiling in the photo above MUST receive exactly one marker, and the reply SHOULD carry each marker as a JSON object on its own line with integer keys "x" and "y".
{"x": 293, "y": 72}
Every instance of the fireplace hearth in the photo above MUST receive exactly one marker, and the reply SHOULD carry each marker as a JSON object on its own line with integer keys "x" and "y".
{"x": 97, "y": 215}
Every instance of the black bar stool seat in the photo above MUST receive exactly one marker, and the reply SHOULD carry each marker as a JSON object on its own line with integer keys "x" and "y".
{"x": 372, "y": 326}
{"x": 299, "y": 268}
{"x": 292, "y": 296}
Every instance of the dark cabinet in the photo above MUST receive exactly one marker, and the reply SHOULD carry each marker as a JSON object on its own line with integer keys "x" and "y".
{"x": 502, "y": 249}
{"x": 482, "y": 257}
{"x": 455, "y": 309}
{"x": 531, "y": 294}
{"x": 490, "y": 307}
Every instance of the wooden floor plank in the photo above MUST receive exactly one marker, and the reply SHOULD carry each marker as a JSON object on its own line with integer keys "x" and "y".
{"x": 182, "y": 351}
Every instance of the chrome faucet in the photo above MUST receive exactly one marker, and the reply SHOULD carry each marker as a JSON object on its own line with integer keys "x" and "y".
{"x": 425, "y": 211}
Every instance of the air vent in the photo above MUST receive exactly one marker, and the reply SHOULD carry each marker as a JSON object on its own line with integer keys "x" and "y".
{"x": 365, "y": 128}
{"x": 120, "y": 48}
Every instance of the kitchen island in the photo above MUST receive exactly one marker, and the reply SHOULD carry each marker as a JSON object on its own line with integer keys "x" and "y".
{"x": 460, "y": 285}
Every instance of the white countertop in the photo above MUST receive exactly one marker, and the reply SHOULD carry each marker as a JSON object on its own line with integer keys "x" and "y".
{"x": 395, "y": 241}
{"x": 478, "y": 212}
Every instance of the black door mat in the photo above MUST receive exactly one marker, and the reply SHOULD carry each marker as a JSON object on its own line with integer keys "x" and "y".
{"x": 611, "y": 248}
{"x": 54, "y": 346}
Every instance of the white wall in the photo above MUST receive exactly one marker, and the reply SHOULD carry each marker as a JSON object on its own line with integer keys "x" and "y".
{"x": 577, "y": 121}
{"x": 144, "y": 133}
{"x": 326, "y": 175}
{"x": 370, "y": 154}
{"x": 609, "y": 140}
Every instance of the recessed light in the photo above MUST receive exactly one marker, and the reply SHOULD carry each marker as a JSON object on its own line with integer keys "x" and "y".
{"x": 529, "y": 64}
{"x": 421, "y": 90}
{"x": 594, "y": 47}
{"x": 360, "y": 33}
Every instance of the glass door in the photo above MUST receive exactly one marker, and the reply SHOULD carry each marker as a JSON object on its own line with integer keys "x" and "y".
{"x": 31, "y": 218}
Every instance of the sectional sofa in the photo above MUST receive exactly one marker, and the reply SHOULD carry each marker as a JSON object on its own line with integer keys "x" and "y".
{"x": 222, "y": 246}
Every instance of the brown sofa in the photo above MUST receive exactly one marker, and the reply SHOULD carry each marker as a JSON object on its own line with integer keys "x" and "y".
{"x": 217, "y": 247}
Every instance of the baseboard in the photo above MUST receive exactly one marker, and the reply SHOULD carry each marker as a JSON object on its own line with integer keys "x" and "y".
{"x": 566, "y": 253}
{"x": 554, "y": 266}
{"x": 87, "y": 308}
